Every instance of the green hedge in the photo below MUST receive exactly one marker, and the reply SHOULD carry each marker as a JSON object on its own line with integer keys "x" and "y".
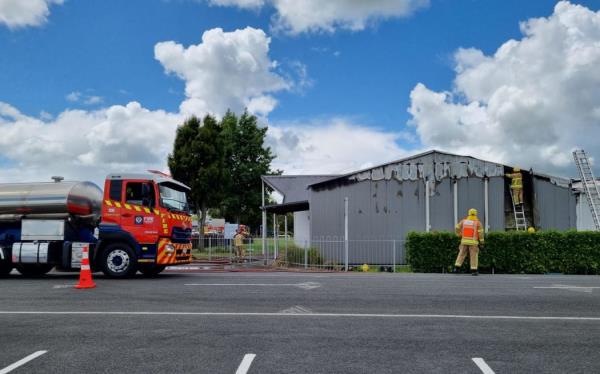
{"x": 569, "y": 252}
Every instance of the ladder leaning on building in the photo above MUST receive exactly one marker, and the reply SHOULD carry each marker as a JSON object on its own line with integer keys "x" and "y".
{"x": 589, "y": 185}
{"x": 519, "y": 212}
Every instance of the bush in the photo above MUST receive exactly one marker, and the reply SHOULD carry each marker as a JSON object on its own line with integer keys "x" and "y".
{"x": 569, "y": 252}
{"x": 295, "y": 255}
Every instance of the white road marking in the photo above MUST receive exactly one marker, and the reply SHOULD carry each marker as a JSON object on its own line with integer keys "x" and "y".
{"x": 298, "y": 309}
{"x": 304, "y": 286}
{"x": 315, "y": 315}
{"x": 485, "y": 369}
{"x": 245, "y": 364}
{"x": 587, "y": 289}
{"x": 59, "y": 286}
{"x": 22, "y": 362}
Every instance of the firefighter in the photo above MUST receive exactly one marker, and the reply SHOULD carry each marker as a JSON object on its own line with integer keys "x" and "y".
{"x": 238, "y": 242}
{"x": 470, "y": 230}
{"x": 516, "y": 185}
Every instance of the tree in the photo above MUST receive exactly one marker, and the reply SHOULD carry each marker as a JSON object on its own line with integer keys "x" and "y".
{"x": 198, "y": 161}
{"x": 246, "y": 158}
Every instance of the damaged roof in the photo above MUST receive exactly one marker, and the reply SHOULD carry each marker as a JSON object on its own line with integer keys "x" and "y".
{"x": 294, "y": 188}
{"x": 433, "y": 165}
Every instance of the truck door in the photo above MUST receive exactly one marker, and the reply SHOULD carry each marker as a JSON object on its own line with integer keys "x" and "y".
{"x": 139, "y": 212}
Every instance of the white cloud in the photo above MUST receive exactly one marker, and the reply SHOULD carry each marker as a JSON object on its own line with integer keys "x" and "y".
{"x": 73, "y": 97}
{"x": 93, "y": 100}
{"x": 45, "y": 116}
{"x": 329, "y": 146}
{"x": 22, "y": 13}
{"x": 82, "y": 144}
{"x": 246, "y": 4}
{"x": 227, "y": 70}
{"x": 78, "y": 97}
{"x": 294, "y": 17}
{"x": 530, "y": 103}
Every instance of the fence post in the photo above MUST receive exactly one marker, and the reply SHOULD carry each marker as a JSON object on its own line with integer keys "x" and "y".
{"x": 346, "y": 234}
{"x": 305, "y": 256}
{"x": 209, "y": 248}
{"x": 427, "y": 225}
{"x": 285, "y": 233}
{"x": 394, "y": 256}
{"x": 263, "y": 227}
{"x": 274, "y": 236}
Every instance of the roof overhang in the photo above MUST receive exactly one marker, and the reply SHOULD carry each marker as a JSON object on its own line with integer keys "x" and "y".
{"x": 296, "y": 206}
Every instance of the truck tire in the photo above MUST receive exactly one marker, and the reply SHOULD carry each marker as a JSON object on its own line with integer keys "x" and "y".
{"x": 33, "y": 270}
{"x": 5, "y": 269}
{"x": 152, "y": 270}
{"x": 118, "y": 261}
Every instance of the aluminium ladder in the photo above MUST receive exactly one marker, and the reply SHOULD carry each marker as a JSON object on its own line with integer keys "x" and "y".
{"x": 519, "y": 211}
{"x": 589, "y": 185}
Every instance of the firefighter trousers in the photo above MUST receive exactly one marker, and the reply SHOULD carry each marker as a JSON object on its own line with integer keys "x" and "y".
{"x": 473, "y": 255}
{"x": 517, "y": 193}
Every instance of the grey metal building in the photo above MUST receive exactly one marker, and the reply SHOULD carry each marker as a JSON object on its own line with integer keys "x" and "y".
{"x": 426, "y": 192}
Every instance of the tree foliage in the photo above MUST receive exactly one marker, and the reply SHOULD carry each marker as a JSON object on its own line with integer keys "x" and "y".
{"x": 198, "y": 161}
{"x": 246, "y": 159}
{"x": 222, "y": 162}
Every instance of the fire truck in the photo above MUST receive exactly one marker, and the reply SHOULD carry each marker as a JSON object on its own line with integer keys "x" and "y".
{"x": 141, "y": 222}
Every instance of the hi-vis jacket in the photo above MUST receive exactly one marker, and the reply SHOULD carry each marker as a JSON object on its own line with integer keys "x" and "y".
{"x": 470, "y": 230}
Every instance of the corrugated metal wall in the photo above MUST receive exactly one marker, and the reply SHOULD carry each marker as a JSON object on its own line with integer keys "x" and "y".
{"x": 554, "y": 206}
{"x": 441, "y": 206}
{"x": 384, "y": 209}
{"x": 496, "y": 204}
{"x": 379, "y": 211}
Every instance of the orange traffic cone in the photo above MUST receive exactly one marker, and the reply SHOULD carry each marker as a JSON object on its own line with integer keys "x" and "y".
{"x": 85, "y": 276}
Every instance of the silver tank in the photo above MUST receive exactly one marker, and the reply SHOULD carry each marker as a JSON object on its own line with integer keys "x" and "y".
{"x": 53, "y": 198}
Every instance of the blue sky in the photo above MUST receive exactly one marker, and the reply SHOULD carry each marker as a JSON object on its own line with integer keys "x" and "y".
{"x": 104, "y": 52}
{"x": 105, "y": 48}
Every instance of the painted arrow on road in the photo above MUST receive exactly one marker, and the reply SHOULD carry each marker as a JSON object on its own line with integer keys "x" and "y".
{"x": 304, "y": 286}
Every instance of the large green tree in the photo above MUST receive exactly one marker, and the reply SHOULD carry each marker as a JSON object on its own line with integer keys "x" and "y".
{"x": 246, "y": 158}
{"x": 198, "y": 160}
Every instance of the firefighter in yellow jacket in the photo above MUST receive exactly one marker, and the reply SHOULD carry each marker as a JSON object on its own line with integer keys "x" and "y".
{"x": 238, "y": 243}
{"x": 470, "y": 230}
{"x": 516, "y": 185}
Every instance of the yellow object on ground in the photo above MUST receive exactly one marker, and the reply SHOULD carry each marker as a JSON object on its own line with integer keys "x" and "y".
{"x": 530, "y": 230}
{"x": 364, "y": 267}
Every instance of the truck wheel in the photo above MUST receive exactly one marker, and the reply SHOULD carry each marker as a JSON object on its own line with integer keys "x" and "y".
{"x": 5, "y": 269}
{"x": 33, "y": 270}
{"x": 152, "y": 270}
{"x": 118, "y": 261}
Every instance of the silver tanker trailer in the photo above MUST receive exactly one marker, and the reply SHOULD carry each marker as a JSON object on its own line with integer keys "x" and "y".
{"x": 43, "y": 225}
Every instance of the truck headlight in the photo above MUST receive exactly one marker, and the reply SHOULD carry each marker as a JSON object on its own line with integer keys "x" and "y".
{"x": 169, "y": 248}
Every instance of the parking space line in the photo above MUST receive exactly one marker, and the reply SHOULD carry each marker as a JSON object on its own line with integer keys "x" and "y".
{"x": 22, "y": 362}
{"x": 485, "y": 369}
{"x": 245, "y": 364}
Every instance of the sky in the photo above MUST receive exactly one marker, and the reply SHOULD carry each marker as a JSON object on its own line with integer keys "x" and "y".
{"x": 92, "y": 87}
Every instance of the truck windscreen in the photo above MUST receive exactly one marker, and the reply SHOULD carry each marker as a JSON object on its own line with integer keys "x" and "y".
{"x": 173, "y": 199}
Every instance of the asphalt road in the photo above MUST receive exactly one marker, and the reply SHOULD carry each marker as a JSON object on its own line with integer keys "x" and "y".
{"x": 302, "y": 323}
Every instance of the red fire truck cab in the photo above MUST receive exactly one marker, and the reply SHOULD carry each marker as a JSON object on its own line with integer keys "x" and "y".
{"x": 145, "y": 225}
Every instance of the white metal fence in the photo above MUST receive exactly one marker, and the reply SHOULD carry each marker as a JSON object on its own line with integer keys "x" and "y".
{"x": 332, "y": 253}
{"x": 339, "y": 254}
